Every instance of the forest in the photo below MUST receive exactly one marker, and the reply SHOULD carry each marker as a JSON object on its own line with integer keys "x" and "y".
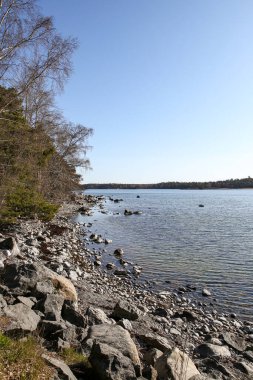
{"x": 39, "y": 149}
{"x": 244, "y": 183}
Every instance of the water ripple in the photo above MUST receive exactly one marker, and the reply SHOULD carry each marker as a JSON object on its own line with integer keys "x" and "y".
{"x": 175, "y": 239}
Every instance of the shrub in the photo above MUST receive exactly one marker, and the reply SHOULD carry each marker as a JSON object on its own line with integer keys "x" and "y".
{"x": 24, "y": 202}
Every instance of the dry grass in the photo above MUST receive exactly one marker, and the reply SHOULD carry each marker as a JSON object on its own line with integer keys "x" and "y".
{"x": 21, "y": 360}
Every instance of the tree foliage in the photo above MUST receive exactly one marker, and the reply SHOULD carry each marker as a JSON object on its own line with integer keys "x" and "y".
{"x": 39, "y": 149}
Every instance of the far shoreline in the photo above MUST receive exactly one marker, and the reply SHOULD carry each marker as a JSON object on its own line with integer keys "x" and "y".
{"x": 235, "y": 184}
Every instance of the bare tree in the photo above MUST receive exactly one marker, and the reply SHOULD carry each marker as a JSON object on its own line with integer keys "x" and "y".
{"x": 30, "y": 48}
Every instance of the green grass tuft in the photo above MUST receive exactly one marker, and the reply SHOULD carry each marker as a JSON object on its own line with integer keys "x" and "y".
{"x": 21, "y": 360}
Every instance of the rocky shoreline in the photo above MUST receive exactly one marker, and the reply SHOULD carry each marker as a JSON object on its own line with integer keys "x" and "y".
{"x": 52, "y": 283}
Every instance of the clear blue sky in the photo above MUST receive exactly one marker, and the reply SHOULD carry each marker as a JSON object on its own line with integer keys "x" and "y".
{"x": 166, "y": 85}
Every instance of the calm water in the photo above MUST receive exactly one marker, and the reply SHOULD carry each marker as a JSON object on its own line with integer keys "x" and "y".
{"x": 176, "y": 240}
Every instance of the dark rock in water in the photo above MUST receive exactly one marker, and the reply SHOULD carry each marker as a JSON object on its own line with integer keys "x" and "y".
{"x": 201, "y": 205}
{"x": 110, "y": 364}
{"x": 110, "y": 265}
{"x": 122, "y": 262}
{"x": 138, "y": 196}
{"x": 128, "y": 212}
{"x": 118, "y": 252}
{"x": 120, "y": 272}
{"x": 191, "y": 287}
{"x": 118, "y": 200}
{"x": 125, "y": 310}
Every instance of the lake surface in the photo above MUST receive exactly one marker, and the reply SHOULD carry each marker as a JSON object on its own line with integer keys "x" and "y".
{"x": 176, "y": 240}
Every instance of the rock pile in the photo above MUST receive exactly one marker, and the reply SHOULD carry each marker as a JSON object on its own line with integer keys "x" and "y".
{"x": 49, "y": 285}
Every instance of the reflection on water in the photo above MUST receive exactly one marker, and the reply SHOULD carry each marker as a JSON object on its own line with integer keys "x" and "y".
{"x": 175, "y": 239}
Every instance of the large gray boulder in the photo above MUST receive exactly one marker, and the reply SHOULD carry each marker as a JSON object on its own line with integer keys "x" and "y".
{"x": 26, "y": 276}
{"x": 125, "y": 310}
{"x": 116, "y": 337}
{"x": 175, "y": 365}
{"x": 21, "y": 319}
{"x": 110, "y": 364}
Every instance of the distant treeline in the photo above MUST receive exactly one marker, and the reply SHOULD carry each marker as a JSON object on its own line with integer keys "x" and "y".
{"x": 227, "y": 184}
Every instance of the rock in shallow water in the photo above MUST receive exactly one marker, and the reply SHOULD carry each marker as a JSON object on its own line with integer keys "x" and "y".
{"x": 206, "y": 293}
